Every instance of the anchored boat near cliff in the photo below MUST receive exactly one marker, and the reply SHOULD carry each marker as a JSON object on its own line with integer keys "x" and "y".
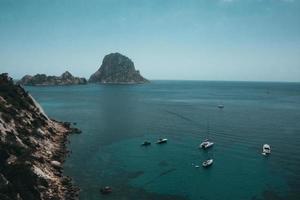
{"x": 106, "y": 190}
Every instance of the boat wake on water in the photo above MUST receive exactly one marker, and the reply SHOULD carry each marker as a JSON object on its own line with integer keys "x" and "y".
{"x": 184, "y": 118}
{"x": 160, "y": 175}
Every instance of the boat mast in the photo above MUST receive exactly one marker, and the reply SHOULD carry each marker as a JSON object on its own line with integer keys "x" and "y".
{"x": 208, "y": 131}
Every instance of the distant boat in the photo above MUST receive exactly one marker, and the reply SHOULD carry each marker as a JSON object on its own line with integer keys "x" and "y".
{"x": 106, "y": 190}
{"x": 206, "y": 144}
{"x": 146, "y": 143}
{"x": 207, "y": 163}
{"x": 266, "y": 149}
{"x": 162, "y": 140}
{"x": 221, "y": 106}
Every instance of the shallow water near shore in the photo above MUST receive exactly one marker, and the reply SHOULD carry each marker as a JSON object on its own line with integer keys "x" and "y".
{"x": 116, "y": 119}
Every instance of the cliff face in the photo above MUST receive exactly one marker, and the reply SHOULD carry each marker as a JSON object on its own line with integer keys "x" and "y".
{"x": 117, "y": 68}
{"x": 43, "y": 80}
{"x": 32, "y": 148}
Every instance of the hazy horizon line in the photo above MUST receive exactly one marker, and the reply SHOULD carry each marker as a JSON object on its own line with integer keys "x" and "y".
{"x": 200, "y": 80}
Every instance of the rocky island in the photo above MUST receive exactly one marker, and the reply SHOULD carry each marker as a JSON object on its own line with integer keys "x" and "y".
{"x": 32, "y": 148}
{"x": 43, "y": 80}
{"x": 119, "y": 69}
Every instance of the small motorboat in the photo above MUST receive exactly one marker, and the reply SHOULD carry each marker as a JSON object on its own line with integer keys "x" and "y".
{"x": 146, "y": 143}
{"x": 206, "y": 144}
{"x": 266, "y": 150}
{"x": 106, "y": 190}
{"x": 220, "y": 106}
{"x": 207, "y": 163}
{"x": 162, "y": 141}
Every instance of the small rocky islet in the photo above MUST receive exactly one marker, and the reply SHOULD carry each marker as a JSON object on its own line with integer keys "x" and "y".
{"x": 115, "y": 69}
{"x": 32, "y": 148}
{"x": 43, "y": 80}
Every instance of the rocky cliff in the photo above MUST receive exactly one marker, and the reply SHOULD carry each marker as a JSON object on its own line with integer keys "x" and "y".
{"x": 43, "y": 80}
{"x": 117, "y": 68}
{"x": 32, "y": 149}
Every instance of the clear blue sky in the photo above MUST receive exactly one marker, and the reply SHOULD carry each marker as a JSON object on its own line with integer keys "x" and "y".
{"x": 166, "y": 39}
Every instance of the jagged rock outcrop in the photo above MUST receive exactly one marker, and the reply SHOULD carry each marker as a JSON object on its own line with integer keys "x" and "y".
{"x": 117, "y": 68}
{"x": 32, "y": 148}
{"x": 43, "y": 80}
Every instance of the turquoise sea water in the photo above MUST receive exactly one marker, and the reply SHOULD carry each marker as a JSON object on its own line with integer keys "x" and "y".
{"x": 116, "y": 119}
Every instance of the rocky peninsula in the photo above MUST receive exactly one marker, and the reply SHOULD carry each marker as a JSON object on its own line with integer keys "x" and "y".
{"x": 118, "y": 69}
{"x": 43, "y": 80}
{"x": 32, "y": 148}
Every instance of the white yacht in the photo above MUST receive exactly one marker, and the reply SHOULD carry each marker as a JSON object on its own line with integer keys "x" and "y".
{"x": 206, "y": 144}
{"x": 162, "y": 140}
{"x": 207, "y": 163}
{"x": 266, "y": 149}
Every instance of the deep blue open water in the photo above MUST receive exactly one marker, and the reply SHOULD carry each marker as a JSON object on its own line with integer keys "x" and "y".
{"x": 116, "y": 119}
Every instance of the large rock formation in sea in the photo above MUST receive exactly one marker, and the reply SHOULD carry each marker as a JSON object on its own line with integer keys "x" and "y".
{"x": 117, "y": 68}
{"x": 43, "y": 80}
{"x": 32, "y": 148}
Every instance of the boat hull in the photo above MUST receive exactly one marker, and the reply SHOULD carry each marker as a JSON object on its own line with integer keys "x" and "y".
{"x": 207, "y": 163}
{"x": 206, "y": 145}
{"x": 266, "y": 150}
{"x": 162, "y": 141}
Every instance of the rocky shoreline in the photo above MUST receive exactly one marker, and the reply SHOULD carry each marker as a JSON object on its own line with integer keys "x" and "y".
{"x": 32, "y": 148}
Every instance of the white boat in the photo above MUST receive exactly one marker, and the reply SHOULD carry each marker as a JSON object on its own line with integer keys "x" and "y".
{"x": 206, "y": 144}
{"x": 207, "y": 163}
{"x": 266, "y": 149}
{"x": 162, "y": 140}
